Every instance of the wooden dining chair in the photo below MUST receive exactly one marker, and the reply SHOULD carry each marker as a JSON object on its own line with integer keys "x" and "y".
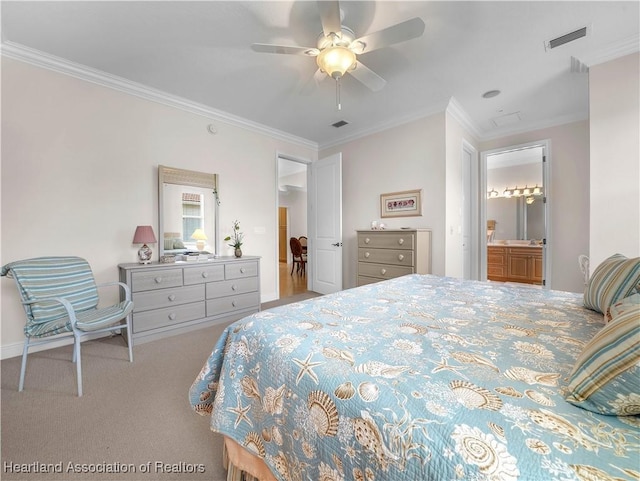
{"x": 303, "y": 243}
{"x": 299, "y": 259}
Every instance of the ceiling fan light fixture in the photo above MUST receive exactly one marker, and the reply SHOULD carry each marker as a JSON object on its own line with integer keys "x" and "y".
{"x": 336, "y": 60}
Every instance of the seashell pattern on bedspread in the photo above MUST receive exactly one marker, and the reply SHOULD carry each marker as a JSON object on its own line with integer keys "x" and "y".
{"x": 416, "y": 378}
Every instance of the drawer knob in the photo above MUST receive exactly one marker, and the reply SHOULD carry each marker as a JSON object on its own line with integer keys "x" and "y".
{"x": 400, "y": 257}
{"x": 158, "y": 280}
{"x": 242, "y": 269}
{"x": 383, "y": 271}
{"x": 367, "y": 240}
{"x": 172, "y": 316}
{"x": 172, "y": 297}
{"x": 234, "y": 287}
{"x": 366, "y": 255}
{"x": 401, "y": 241}
{"x": 205, "y": 274}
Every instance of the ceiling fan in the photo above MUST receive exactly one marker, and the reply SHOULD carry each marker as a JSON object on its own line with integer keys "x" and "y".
{"x": 337, "y": 47}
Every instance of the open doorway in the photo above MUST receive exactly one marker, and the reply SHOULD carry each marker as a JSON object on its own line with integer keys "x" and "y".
{"x": 292, "y": 224}
{"x": 515, "y": 215}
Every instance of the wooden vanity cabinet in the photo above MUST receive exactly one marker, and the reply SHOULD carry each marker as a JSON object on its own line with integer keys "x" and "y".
{"x": 515, "y": 264}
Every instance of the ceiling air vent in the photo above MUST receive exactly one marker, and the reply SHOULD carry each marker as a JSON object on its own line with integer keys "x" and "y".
{"x": 566, "y": 38}
{"x": 340, "y": 123}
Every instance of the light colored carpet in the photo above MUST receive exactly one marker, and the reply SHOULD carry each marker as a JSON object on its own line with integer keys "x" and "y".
{"x": 132, "y": 416}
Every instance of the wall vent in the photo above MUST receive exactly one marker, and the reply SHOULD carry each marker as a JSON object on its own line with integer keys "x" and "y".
{"x": 566, "y": 38}
{"x": 339, "y": 123}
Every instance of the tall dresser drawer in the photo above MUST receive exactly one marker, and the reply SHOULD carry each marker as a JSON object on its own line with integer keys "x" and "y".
{"x": 143, "y": 301}
{"x": 237, "y": 270}
{"x": 170, "y": 316}
{"x": 200, "y": 275}
{"x": 387, "y": 240}
{"x": 383, "y": 271}
{"x": 386, "y": 256}
{"x": 232, "y": 303}
{"x": 231, "y": 287}
{"x": 156, "y": 279}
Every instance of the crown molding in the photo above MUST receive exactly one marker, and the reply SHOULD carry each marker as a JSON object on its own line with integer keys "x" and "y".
{"x": 612, "y": 51}
{"x": 457, "y": 112}
{"x": 51, "y": 62}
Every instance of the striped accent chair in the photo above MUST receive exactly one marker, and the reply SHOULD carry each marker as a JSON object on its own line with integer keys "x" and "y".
{"x": 60, "y": 299}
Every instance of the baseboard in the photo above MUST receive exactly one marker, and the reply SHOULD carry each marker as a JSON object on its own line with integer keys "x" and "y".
{"x": 15, "y": 349}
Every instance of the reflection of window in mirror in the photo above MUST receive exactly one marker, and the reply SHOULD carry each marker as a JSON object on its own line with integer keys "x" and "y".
{"x": 192, "y": 214}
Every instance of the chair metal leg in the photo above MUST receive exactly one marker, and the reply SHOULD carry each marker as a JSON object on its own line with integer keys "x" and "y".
{"x": 23, "y": 368}
{"x": 78, "y": 364}
{"x": 129, "y": 340}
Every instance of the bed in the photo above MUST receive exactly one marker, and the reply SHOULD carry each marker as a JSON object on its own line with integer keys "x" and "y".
{"x": 416, "y": 378}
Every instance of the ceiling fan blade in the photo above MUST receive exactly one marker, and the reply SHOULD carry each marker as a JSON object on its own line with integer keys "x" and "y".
{"x": 289, "y": 50}
{"x": 310, "y": 85}
{"x": 368, "y": 77}
{"x": 330, "y": 16}
{"x": 400, "y": 32}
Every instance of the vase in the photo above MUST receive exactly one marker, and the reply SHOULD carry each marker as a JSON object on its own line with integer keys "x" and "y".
{"x": 238, "y": 252}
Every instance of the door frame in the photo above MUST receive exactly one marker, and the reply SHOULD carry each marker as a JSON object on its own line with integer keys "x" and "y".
{"x": 482, "y": 203}
{"x": 307, "y": 163}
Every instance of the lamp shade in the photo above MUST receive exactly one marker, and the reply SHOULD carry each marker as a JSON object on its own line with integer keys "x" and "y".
{"x": 144, "y": 235}
{"x": 199, "y": 234}
{"x": 336, "y": 60}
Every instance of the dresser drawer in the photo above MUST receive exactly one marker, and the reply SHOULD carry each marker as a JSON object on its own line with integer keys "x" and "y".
{"x": 232, "y": 303}
{"x": 143, "y": 301}
{"x": 382, "y": 271}
{"x": 231, "y": 287}
{"x": 155, "y": 279}
{"x": 200, "y": 275}
{"x": 397, "y": 257}
{"x": 387, "y": 240}
{"x": 147, "y": 320}
{"x": 237, "y": 270}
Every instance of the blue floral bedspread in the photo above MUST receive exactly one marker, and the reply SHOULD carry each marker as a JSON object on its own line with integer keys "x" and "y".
{"x": 416, "y": 378}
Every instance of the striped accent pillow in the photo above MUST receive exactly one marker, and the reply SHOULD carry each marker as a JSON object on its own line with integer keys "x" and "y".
{"x": 615, "y": 278}
{"x": 606, "y": 376}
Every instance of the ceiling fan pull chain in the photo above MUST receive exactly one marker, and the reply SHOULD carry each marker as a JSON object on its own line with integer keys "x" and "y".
{"x": 338, "y": 103}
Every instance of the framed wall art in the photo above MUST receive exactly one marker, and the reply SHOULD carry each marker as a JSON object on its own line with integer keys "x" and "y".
{"x": 401, "y": 204}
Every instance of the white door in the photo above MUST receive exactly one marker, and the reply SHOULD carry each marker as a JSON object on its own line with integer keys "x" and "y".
{"x": 466, "y": 212}
{"x": 325, "y": 225}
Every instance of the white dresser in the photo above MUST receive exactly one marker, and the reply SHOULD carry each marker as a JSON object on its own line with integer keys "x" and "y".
{"x": 384, "y": 254}
{"x": 173, "y": 298}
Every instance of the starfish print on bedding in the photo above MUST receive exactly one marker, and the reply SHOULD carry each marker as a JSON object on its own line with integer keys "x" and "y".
{"x": 306, "y": 368}
{"x": 443, "y": 365}
{"x": 241, "y": 413}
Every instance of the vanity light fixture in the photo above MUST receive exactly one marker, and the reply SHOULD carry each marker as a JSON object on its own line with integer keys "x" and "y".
{"x": 492, "y": 194}
{"x": 537, "y": 190}
{"x": 517, "y": 192}
{"x": 200, "y": 237}
{"x": 144, "y": 235}
{"x": 530, "y": 199}
{"x": 507, "y": 193}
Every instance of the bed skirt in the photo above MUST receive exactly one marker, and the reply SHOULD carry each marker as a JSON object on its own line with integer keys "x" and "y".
{"x": 241, "y": 465}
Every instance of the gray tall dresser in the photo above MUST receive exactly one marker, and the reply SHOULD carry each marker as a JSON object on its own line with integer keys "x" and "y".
{"x": 385, "y": 254}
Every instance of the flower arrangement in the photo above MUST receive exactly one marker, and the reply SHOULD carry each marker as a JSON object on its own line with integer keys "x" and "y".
{"x": 236, "y": 237}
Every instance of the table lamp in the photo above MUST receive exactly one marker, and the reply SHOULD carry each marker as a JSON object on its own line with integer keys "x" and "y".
{"x": 200, "y": 237}
{"x": 144, "y": 235}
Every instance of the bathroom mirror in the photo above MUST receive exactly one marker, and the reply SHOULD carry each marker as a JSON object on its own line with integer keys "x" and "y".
{"x": 516, "y": 219}
{"x": 187, "y": 212}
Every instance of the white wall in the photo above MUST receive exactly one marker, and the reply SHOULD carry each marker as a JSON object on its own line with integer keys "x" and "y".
{"x": 410, "y": 156}
{"x": 614, "y": 98}
{"x": 568, "y": 194}
{"x": 79, "y": 173}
